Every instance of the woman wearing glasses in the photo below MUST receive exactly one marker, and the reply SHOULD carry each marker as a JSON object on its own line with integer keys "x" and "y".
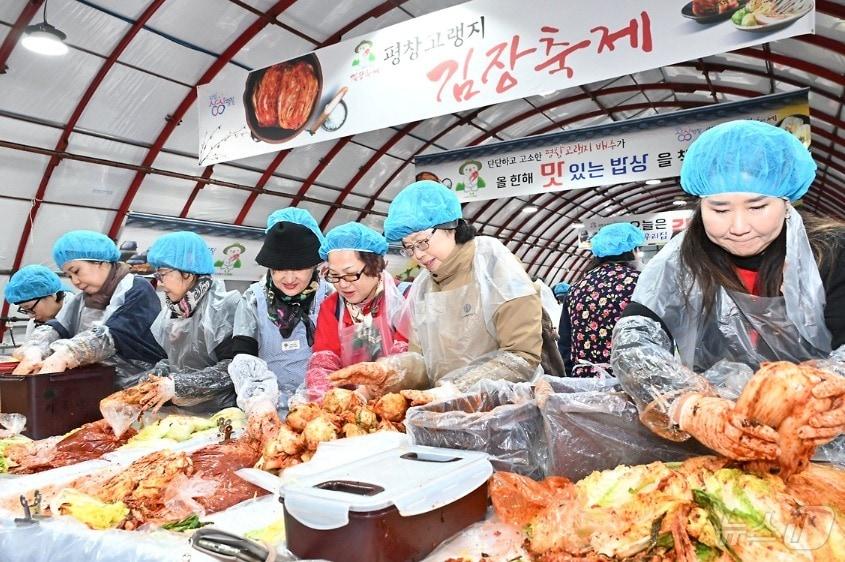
{"x": 474, "y": 311}
{"x": 359, "y": 323}
{"x": 37, "y": 292}
{"x": 276, "y": 318}
{"x": 194, "y": 328}
{"x": 108, "y": 321}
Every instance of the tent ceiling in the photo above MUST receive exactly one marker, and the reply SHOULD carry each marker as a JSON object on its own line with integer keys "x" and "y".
{"x": 112, "y": 126}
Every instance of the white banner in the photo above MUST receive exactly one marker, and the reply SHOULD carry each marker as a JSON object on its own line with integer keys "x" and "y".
{"x": 659, "y": 228}
{"x": 234, "y": 256}
{"x": 475, "y": 54}
{"x": 635, "y": 150}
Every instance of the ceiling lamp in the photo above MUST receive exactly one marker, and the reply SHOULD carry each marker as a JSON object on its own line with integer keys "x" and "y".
{"x": 652, "y": 182}
{"x": 679, "y": 203}
{"x": 44, "y": 39}
{"x": 529, "y": 210}
{"x": 577, "y": 226}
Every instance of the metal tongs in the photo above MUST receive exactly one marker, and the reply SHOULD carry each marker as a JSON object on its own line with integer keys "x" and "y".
{"x": 31, "y": 511}
{"x": 224, "y": 429}
{"x": 228, "y": 546}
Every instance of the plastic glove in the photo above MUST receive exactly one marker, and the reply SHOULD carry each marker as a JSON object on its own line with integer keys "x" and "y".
{"x": 254, "y": 382}
{"x": 376, "y": 376}
{"x": 30, "y": 360}
{"x": 262, "y": 420}
{"x": 542, "y": 390}
{"x": 59, "y": 362}
{"x": 155, "y": 391}
{"x": 713, "y": 422}
{"x": 827, "y": 425}
{"x": 446, "y": 391}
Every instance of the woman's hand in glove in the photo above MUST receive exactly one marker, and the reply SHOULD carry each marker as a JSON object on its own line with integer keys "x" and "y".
{"x": 262, "y": 421}
{"x": 376, "y": 376}
{"x": 30, "y": 360}
{"x": 826, "y": 425}
{"x": 59, "y": 362}
{"x": 155, "y": 391}
{"x": 713, "y": 422}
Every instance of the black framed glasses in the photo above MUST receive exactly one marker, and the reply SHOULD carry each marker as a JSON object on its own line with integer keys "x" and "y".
{"x": 31, "y": 310}
{"x": 160, "y": 274}
{"x": 421, "y": 245}
{"x": 348, "y": 277}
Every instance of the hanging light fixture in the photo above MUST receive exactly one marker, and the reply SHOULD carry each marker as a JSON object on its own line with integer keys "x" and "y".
{"x": 530, "y": 209}
{"x": 43, "y": 38}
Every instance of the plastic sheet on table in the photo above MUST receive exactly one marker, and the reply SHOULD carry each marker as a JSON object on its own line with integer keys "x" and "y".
{"x": 496, "y": 417}
{"x": 491, "y": 540}
{"x": 12, "y": 486}
{"x": 591, "y": 424}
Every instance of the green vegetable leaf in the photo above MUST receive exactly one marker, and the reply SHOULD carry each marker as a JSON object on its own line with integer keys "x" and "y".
{"x": 187, "y": 524}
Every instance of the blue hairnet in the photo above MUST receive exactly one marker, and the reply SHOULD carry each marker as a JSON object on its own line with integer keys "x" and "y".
{"x": 747, "y": 157}
{"x": 296, "y": 216}
{"x": 419, "y": 206}
{"x": 615, "y": 239}
{"x": 84, "y": 245}
{"x": 353, "y": 236}
{"x": 32, "y": 282}
{"x": 560, "y": 289}
{"x": 184, "y": 251}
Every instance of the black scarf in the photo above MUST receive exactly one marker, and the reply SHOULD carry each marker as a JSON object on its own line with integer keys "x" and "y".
{"x": 188, "y": 304}
{"x": 286, "y": 312}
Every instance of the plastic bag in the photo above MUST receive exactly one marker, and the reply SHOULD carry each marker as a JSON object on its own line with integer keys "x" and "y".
{"x": 518, "y": 499}
{"x": 495, "y": 417}
{"x": 13, "y": 424}
{"x": 180, "y": 494}
{"x": 593, "y": 425}
{"x": 119, "y": 415}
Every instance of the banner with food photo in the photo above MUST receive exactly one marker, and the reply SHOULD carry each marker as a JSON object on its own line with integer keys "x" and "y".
{"x": 626, "y": 151}
{"x": 475, "y": 54}
{"x": 659, "y": 228}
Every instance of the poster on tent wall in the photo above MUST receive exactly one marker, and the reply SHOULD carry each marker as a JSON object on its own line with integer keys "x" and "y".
{"x": 233, "y": 249}
{"x": 627, "y": 151}
{"x": 659, "y": 228}
{"x": 475, "y": 54}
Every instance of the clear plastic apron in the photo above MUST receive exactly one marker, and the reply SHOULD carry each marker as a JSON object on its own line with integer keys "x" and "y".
{"x": 451, "y": 328}
{"x": 751, "y": 330}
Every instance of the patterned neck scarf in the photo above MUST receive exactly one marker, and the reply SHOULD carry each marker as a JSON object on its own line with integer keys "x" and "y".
{"x": 360, "y": 312}
{"x": 188, "y": 304}
{"x": 287, "y": 312}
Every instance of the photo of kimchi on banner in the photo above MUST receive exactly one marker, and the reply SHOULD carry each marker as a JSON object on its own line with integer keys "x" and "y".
{"x": 475, "y": 54}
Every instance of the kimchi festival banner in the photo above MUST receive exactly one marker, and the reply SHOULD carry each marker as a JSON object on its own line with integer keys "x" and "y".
{"x": 626, "y": 151}
{"x": 475, "y": 54}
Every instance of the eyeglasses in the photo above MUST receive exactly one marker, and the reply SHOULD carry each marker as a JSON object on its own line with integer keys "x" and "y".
{"x": 348, "y": 277}
{"x": 31, "y": 310}
{"x": 160, "y": 274}
{"x": 421, "y": 245}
